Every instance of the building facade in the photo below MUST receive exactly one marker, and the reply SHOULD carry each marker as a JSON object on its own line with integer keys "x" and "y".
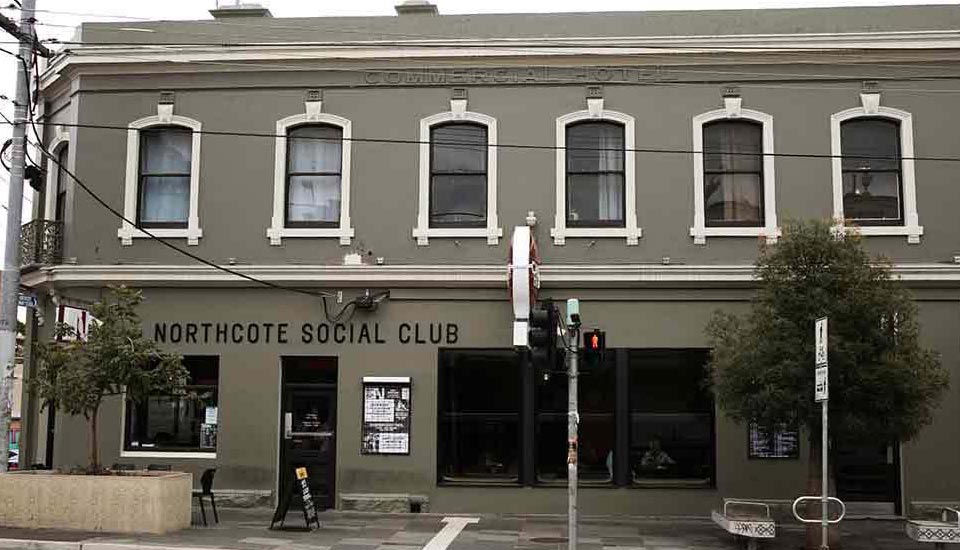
{"x": 386, "y": 162}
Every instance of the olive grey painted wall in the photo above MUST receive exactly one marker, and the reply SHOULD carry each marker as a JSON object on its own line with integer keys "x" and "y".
{"x": 249, "y": 394}
{"x": 236, "y": 188}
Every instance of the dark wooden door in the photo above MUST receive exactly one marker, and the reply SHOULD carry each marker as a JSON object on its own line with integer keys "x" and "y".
{"x": 868, "y": 473}
{"x": 310, "y": 441}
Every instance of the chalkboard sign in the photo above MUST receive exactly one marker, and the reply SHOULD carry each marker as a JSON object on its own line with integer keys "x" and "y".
{"x": 782, "y": 443}
{"x": 301, "y": 485}
{"x": 386, "y": 415}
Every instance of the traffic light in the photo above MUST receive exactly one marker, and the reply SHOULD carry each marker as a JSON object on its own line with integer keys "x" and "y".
{"x": 542, "y": 334}
{"x": 594, "y": 344}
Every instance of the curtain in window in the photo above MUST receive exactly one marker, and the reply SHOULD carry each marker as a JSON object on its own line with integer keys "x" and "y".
{"x": 314, "y": 155}
{"x": 595, "y": 173}
{"x": 871, "y": 171}
{"x": 733, "y": 173}
{"x": 165, "y": 158}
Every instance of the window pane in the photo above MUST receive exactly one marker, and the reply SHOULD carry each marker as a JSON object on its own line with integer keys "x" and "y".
{"x": 597, "y": 400}
{"x": 165, "y": 151}
{"x": 873, "y": 196}
{"x": 733, "y": 146}
{"x": 314, "y": 149}
{"x": 479, "y": 409}
{"x": 671, "y": 415}
{"x": 595, "y": 147}
{"x": 164, "y": 199}
{"x": 459, "y": 148}
{"x": 313, "y": 199}
{"x": 595, "y": 198}
{"x": 61, "y": 198}
{"x": 861, "y": 139}
{"x": 458, "y": 200}
{"x": 178, "y": 423}
{"x": 736, "y": 198}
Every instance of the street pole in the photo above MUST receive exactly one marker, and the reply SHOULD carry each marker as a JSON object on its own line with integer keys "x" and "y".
{"x": 821, "y": 393}
{"x": 824, "y": 479}
{"x": 10, "y": 287}
{"x": 573, "y": 419}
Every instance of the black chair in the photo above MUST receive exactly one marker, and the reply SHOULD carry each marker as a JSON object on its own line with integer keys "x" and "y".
{"x": 158, "y": 468}
{"x": 206, "y": 490}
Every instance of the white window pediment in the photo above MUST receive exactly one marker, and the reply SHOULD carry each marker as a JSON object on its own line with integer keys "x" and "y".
{"x": 732, "y": 111}
{"x": 630, "y": 231}
{"x": 278, "y": 230}
{"x": 422, "y": 231}
{"x": 870, "y": 108}
{"x": 128, "y": 231}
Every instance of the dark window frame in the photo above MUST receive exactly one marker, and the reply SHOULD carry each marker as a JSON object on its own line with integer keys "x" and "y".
{"x": 761, "y": 222}
{"x": 288, "y": 175}
{"x": 143, "y": 134}
{"x": 128, "y": 408}
{"x": 870, "y": 222}
{"x": 622, "y": 222}
{"x": 431, "y": 223}
{"x": 60, "y": 192}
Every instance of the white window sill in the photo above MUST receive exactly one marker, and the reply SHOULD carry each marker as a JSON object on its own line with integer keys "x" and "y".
{"x": 631, "y": 234}
{"x": 277, "y": 234}
{"x": 128, "y": 233}
{"x": 700, "y": 234}
{"x": 167, "y": 454}
{"x": 911, "y": 232}
{"x": 492, "y": 234}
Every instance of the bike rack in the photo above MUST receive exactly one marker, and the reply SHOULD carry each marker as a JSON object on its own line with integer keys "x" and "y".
{"x": 843, "y": 509}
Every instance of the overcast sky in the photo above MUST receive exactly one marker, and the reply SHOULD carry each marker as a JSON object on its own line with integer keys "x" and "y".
{"x": 58, "y": 18}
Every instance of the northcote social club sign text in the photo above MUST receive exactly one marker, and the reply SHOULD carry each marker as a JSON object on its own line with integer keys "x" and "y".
{"x": 412, "y": 333}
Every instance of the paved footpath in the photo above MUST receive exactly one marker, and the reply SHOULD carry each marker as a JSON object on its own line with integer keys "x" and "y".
{"x": 247, "y": 530}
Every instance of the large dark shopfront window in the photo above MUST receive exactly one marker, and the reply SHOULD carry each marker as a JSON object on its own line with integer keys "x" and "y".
{"x": 646, "y": 419}
{"x": 479, "y": 410}
{"x": 178, "y": 423}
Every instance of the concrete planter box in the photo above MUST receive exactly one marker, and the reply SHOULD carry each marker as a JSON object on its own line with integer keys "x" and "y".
{"x": 140, "y": 502}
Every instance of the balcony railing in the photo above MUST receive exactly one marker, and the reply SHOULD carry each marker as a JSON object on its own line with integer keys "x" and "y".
{"x": 41, "y": 243}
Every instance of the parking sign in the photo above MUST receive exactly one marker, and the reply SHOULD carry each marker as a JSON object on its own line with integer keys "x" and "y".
{"x": 821, "y": 336}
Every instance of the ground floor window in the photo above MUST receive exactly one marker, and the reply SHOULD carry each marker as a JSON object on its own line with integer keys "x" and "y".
{"x": 479, "y": 415}
{"x": 646, "y": 418}
{"x": 178, "y": 423}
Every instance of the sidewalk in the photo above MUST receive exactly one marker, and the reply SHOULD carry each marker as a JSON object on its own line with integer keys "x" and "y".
{"x": 247, "y": 530}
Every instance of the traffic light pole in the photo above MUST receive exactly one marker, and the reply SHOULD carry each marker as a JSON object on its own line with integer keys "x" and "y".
{"x": 573, "y": 419}
{"x": 10, "y": 286}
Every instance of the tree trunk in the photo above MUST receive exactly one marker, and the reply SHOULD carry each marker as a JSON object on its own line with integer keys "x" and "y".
{"x": 94, "y": 465}
{"x": 813, "y": 510}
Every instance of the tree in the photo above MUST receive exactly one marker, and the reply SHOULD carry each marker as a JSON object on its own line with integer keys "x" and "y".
{"x": 883, "y": 385}
{"x": 76, "y": 375}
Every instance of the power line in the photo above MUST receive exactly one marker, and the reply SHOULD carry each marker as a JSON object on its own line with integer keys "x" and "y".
{"x": 474, "y": 145}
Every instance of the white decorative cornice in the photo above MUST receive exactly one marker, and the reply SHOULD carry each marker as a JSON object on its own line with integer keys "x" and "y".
{"x": 438, "y": 275}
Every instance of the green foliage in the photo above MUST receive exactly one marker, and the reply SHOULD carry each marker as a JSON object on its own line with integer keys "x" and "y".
{"x": 115, "y": 359}
{"x": 883, "y": 384}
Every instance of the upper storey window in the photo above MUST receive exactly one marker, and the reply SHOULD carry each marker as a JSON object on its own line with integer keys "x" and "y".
{"x": 164, "y": 190}
{"x": 595, "y": 174}
{"x": 872, "y": 188}
{"x": 162, "y": 186}
{"x": 733, "y": 173}
{"x": 314, "y": 171}
{"x": 458, "y": 175}
{"x": 311, "y": 182}
{"x": 61, "y": 184}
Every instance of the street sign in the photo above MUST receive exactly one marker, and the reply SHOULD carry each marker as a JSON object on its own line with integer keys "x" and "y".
{"x": 27, "y": 300}
{"x": 821, "y": 387}
{"x": 821, "y": 348}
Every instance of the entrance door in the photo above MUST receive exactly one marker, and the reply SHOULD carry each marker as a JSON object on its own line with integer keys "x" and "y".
{"x": 308, "y": 428}
{"x": 869, "y": 473}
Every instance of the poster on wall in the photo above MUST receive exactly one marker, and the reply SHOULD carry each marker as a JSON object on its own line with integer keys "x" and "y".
{"x": 386, "y": 415}
{"x": 782, "y": 443}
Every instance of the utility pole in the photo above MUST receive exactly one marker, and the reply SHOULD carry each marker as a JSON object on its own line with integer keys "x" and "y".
{"x": 573, "y": 419}
{"x": 10, "y": 287}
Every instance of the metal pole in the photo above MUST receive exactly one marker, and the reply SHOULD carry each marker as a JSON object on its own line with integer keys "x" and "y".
{"x": 10, "y": 286}
{"x": 573, "y": 419}
{"x": 824, "y": 479}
